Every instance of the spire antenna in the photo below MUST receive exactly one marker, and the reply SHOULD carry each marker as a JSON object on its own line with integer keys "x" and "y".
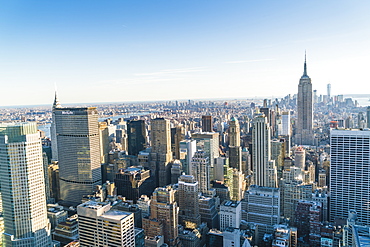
{"x": 305, "y": 66}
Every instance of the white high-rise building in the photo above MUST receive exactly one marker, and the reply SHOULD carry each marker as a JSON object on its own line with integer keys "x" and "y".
{"x": 99, "y": 225}
{"x": 22, "y": 186}
{"x": 349, "y": 174}
{"x": 264, "y": 169}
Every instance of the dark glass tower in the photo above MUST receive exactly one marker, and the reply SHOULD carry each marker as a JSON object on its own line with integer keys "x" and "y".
{"x": 136, "y": 136}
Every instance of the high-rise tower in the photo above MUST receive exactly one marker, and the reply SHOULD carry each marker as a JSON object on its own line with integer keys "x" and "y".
{"x": 264, "y": 169}
{"x": 54, "y": 146}
{"x": 349, "y": 174}
{"x": 22, "y": 186}
{"x": 304, "y": 131}
{"x": 160, "y": 137}
{"x": 136, "y": 136}
{"x": 77, "y": 132}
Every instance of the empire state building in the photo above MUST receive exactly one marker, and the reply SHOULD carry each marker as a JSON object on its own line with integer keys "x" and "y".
{"x": 304, "y": 132}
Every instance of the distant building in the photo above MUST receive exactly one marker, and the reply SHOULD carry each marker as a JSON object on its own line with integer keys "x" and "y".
{"x": 207, "y": 124}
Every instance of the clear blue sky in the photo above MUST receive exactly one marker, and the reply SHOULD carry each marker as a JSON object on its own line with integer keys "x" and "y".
{"x": 116, "y": 51}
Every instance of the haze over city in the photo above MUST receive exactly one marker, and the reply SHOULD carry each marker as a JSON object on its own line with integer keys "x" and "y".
{"x": 120, "y": 51}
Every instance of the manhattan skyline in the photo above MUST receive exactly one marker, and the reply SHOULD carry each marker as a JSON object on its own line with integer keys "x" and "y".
{"x": 126, "y": 51}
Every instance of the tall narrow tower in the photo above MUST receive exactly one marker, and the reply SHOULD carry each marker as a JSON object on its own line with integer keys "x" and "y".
{"x": 22, "y": 186}
{"x": 264, "y": 169}
{"x": 304, "y": 131}
{"x": 160, "y": 137}
{"x": 54, "y": 146}
{"x": 77, "y": 132}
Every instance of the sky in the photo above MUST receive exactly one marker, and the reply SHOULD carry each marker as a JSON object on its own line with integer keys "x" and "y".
{"x": 132, "y": 50}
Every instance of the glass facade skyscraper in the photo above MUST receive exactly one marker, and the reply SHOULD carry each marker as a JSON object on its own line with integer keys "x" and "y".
{"x": 77, "y": 134}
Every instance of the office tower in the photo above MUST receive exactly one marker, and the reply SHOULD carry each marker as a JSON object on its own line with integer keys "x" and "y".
{"x": 209, "y": 143}
{"x": 177, "y": 135}
{"x": 329, "y": 91}
{"x": 349, "y": 174}
{"x": 104, "y": 142}
{"x": 188, "y": 195}
{"x": 160, "y": 137}
{"x": 238, "y": 185}
{"x": 368, "y": 116}
{"x": 207, "y": 124}
{"x": 99, "y": 225}
{"x": 136, "y": 133}
{"x": 234, "y": 132}
{"x": 230, "y": 214}
{"x": 308, "y": 217}
{"x": 130, "y": 182}
{"x": 235, "y": 151}
{"x": 176, "y": 171}
{"x": 187, "y": 150}
{"x": 54, "y": 146}
{"x": 300, "y": 157}
{"x": 200, "y": 168}
{"x": 77, "y": 131}
{"x": 164, "y": 211}
{"x": 264, "y": 169}
{"x": 304, "y": 132}
{"x": 208, "y": 211}
{"x": 22, "y": 186}
{"x": 261, "y": 206}
{"x": 291, "y": 192}
{"x": 285, "y": 122}
{"x": 278, "y": 154}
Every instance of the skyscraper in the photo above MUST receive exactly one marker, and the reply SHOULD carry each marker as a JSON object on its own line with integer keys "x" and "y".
{"x": 201, "y": 168}
{"x": 77, "y": 133}
{"x": 349, "y": 174}
{"x": 207, "y": 125}
{"x": 264, "y": 169}
{"x": 160, "y": 137}
{"x": 235, "y": 151}
{"x": 164, "y": 210}
{"x": 136, "y": 136}
{"x": 188, "y": 201}
{"x": 304, "y": 131}
{"x": 22, "y": 186}
{"x": 54, "y": 147}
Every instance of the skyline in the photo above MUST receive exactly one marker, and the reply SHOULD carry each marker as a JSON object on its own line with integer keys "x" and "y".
{"x": 124, "y": 51}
